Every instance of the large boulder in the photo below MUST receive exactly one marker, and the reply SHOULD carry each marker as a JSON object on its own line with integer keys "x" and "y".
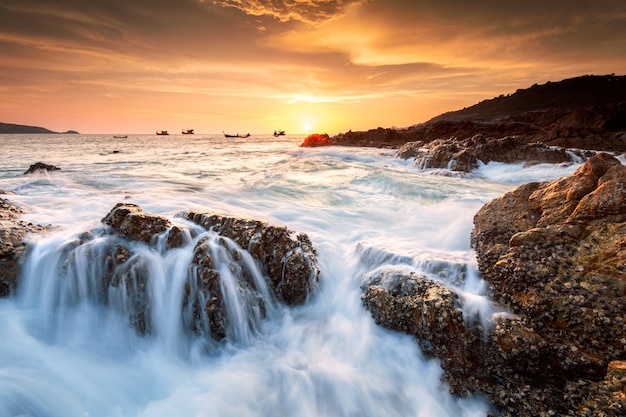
{"x": 12, "y": 244}
{"x": 287, "y": 259}
{"x": 554, "y": 254}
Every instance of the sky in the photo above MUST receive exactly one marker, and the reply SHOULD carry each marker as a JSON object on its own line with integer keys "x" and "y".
{"x": 304, "y": 66}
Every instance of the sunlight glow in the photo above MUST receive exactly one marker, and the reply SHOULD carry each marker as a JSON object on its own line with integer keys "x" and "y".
{"x": 307, "y": 127}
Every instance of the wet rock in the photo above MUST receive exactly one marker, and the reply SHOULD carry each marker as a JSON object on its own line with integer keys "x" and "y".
{"x": 554, "y": 254}
{"x": 427, "y": 309}
{"x": 40, "y": 167}
{"x": 204, "y": 297}
{"x": 135, "y": 224}
{"x": 12, "y": 244}
{"x": 466, "y": 154}
{"x": 288, "y": 258}
{"x": 315, "y": 140}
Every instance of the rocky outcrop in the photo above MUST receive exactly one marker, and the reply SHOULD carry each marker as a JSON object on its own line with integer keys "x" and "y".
{"x": 553, "y": 254}
{"x": 288, "y": 258}
{"x": 40, "y": 167}
{"x": 135, "y": 224}
{"x": 267, "y": 263}
{"x": 12, "y": 244}
{"x": 590, "y": 128}
{"x": 465, "y": 154}
{"x": 586, "y": 112}
{"x": 429, "y": 310}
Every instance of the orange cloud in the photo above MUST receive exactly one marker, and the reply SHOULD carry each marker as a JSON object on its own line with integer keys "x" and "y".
{"x": 310, "y": 11}
{"x": 402, "y": 61}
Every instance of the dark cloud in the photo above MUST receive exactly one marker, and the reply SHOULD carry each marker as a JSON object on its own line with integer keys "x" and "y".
{"x": 568, "y": 20}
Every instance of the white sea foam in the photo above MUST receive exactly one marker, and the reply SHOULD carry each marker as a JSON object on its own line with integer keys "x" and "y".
{"x": 64, "y": 352}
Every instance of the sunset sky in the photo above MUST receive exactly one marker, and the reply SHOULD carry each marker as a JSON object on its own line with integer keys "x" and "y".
{"x": 326, "y": 66}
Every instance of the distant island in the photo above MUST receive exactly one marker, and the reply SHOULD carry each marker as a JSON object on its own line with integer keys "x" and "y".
{"x": 13, "y": 128}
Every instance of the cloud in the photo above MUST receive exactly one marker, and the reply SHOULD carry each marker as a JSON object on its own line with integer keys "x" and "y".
{"x": 309, "y": 11}
{"x": 347, "y": 52}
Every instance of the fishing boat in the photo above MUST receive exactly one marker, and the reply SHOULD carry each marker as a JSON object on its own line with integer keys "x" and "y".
{"x": 247, "y": 135}
{"x": 279, "y": 133}
{"x": 162, "y": 132}
{"x": 187, "y": 131}
{"x": 120, "y": 136}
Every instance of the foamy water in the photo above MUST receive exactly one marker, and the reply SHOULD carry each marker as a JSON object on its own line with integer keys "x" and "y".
{"x": 63, "y": 354}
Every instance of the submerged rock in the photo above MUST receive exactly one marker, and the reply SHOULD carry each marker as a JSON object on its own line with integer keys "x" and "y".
{"x": 427, "y": 309}
{"x": 40, "y": 166}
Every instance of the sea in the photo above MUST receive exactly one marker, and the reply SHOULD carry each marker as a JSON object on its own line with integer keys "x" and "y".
{"x": 65, "y": 354}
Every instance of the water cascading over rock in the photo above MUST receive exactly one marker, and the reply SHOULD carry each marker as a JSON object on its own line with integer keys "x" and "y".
{"x": 216, "y": 281}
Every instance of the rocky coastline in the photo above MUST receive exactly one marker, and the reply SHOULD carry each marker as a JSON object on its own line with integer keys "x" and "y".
{"x": 554, "y": 256}
{"x": 555, "y": 122}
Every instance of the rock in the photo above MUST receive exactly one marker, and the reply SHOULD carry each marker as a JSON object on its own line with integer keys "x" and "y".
{"x": 12, "y": 244}
{"x": 40, "y": 166}
{"x": 288, "y": 258}
{"x": 316, "y": 139}
{"x": 607, "y": 397}
{"x": 554, "y": 254}
{"x": 131, "y": 221}
{"x": 586, "y": 112}
{"x": 465, "y": 154}
{"x": 426, "y": 309}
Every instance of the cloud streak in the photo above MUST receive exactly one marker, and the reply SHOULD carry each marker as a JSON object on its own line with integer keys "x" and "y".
{"x": 309, "y": 11}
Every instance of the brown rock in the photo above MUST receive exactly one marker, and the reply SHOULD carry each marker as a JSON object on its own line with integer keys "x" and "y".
{"x": 40, "y": 166}
{"x": 135, "y": 224}
{"x": 12, "y": 244}
{"x": 288, "y": 259}
{"x": 464, "y": 154}
{"x": 554, "y": 254}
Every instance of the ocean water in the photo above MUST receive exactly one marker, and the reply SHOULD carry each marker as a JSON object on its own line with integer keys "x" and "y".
{"x": 62, "y": 353}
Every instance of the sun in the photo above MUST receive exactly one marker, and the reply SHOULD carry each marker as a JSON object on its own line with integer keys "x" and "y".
{"x": 307, "y": 127}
